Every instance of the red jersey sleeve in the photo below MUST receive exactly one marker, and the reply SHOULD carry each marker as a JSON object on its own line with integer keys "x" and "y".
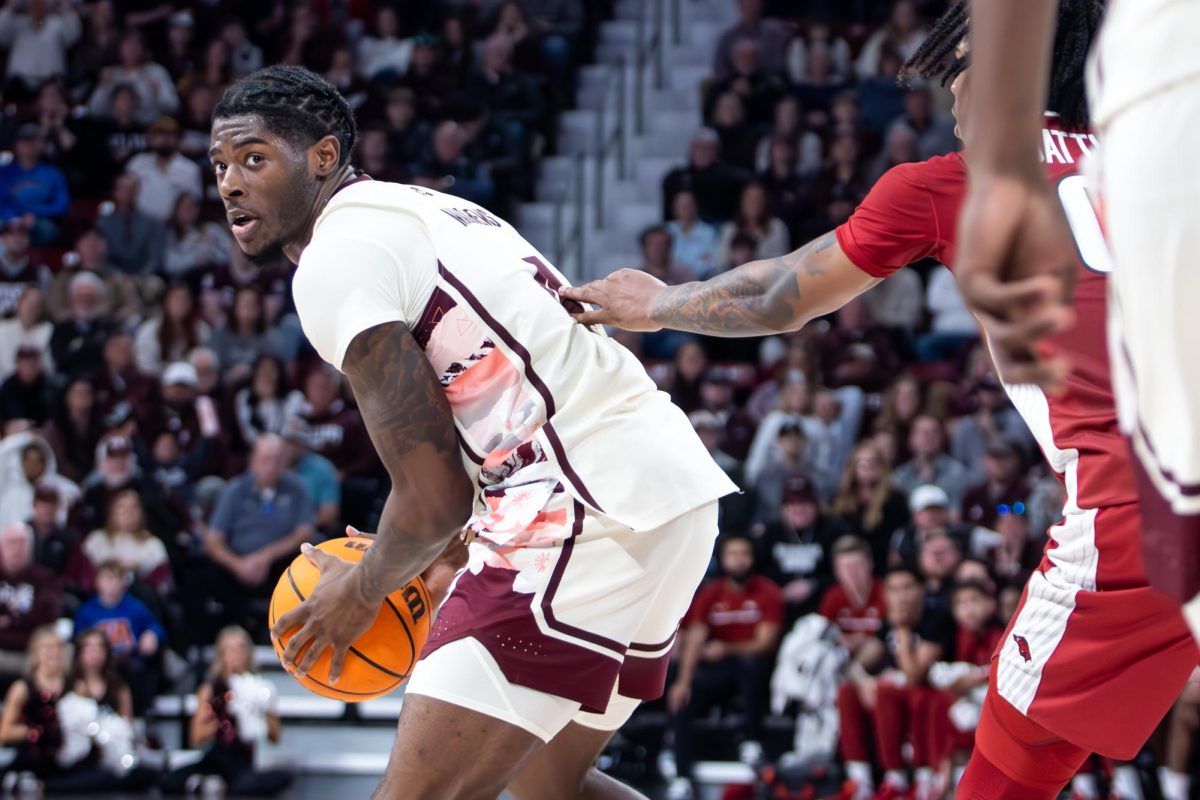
{"x": 895, "y": 225}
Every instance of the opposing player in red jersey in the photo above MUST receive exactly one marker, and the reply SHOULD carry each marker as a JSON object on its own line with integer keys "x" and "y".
{"x": 1094, "y": 657}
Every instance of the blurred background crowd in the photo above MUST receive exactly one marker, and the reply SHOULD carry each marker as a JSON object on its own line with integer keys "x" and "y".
{"x": 170, "y": 438}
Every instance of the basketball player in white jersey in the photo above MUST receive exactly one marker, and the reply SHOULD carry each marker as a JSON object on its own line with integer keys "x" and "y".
{"x": 588, "y": 503}
{"x": 1144, "y": 88}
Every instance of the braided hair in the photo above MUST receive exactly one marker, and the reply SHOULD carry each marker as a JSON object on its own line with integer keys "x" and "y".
{"x": 299, "y": 105}
{"x": 1078, "y": 22}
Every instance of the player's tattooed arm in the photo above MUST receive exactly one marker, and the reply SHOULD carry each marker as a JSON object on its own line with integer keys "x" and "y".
{"x": 760, "y": 297}
{"x": 409, "y": 421}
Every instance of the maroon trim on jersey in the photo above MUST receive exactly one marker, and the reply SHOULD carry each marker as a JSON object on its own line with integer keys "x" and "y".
{"x": 362, "y": 176}
{"x": 650, "y": 648}
{"x": 438, "y": 305}
{"x": 1170, "y": 541}
{"x": 533, "y": 378}
{"x": 552, "y": 587}
{"x": 643, "y": 678}
{"x": 483, "y": 606}
{"x": 471, "y": 454}
{"x": 1185, "y": 489}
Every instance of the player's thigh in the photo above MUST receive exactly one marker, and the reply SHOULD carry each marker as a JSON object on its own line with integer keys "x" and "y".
{"x": 563, "y": 769}
{"x": 448, "y": 752}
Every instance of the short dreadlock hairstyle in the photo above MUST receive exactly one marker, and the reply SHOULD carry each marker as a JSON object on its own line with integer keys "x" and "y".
{"x": 299, "y": 105}
{"x": 1078, "y": 22}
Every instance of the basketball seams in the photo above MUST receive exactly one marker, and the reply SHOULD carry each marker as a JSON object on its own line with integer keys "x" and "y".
{"x": 412, "y": 645}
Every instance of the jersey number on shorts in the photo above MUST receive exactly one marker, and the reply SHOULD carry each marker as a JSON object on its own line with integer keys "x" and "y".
{"x": 1085, "y": 225}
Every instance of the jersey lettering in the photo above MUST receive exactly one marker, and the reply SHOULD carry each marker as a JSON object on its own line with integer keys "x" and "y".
{"x": 1085, "y": 225}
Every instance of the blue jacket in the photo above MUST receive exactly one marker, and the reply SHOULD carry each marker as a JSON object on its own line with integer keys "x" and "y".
{"x": 41, "y": 191}
{"x": 123, "y": 624}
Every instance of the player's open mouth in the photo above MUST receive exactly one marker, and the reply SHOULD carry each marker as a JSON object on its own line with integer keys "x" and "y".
{"x": 242, "y": 225}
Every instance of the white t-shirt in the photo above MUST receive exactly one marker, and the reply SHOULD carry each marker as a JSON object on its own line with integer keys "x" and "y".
{"x": 158, "y": 188}
{"x": 534, "y": 394}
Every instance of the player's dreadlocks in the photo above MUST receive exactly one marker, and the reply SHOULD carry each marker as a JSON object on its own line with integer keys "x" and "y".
{"x": 1078, "y": 21}
{"x": 295, "y": 103}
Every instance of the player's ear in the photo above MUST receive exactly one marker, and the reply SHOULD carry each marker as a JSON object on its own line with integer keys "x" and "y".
{"x": 324, "y": 156}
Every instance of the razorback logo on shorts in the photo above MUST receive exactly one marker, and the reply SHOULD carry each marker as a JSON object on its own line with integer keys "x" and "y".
{"x": 1023, "y": 648}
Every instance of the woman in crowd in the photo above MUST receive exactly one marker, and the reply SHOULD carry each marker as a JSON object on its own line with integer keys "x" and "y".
{"x": 94, "y": 674}
{"x": 29, "y": 327}
{"x": 192, "y": 244}
{"x": 867, "y": 500}
{"x": 126, "y": 540}
{"x": 245, "y": 336}
{"x": 172, "y": 333}
{"x": 29, "y": 723}
{"x": 76, "y": 429}
{"x": 754, "y": 219}
{"x": 234, "y": 712}
{"x": 265, "y": 403}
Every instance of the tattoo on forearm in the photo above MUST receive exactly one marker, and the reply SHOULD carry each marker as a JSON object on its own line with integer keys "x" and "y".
{"x": 411, "y": 425}
{"x": 761, "y": 297}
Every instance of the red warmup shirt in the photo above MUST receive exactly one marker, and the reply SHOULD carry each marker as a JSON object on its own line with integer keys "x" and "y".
{"x": 911, "y": 213}
{"x": 732, "y": 613}
{"x": 858, "y": 623}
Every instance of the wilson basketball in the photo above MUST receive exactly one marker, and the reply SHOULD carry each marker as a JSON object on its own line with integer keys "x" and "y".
{"x": 379, "y": 660}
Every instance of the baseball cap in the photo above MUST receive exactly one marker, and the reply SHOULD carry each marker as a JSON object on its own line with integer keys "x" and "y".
{"x": 928, "y": 496}
{"x": 116, "y": 446}
{"x": 45, "y": 494}
{"x": 704, "y": 420}
{"x": 798, "y": 489}
{"x": 180, "y": 373}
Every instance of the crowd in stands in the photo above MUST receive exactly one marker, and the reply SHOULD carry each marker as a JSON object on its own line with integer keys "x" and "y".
{"x": 169, "y": 437}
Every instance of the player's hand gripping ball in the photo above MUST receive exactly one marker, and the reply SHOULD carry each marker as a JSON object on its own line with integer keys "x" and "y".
{"x": 382, "y": 657}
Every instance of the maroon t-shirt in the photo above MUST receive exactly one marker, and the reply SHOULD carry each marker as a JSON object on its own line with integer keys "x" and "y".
{"x": 732, "y": 612}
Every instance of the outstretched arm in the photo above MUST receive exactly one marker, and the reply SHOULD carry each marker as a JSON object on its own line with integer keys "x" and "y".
{"x": 758, "y": 298}
{"x": 410, "y": 424}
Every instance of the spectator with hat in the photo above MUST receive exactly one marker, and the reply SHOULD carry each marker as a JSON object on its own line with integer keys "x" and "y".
{"x": 18, "y": 270}
{"x": 27, "y": 393}
{"x": 30, "y": 596}
{"x": 991, "y": 417}
{"x": 930, "y": 507}
{"x": 795, "y": 549}
{"x": 31, "y": 189}
{"x": 1003, "y": 491}
{"x": 930, "y": 463}
{"x": 117, "y": 470}
{"x": 28, "y": 328}
{"x": 789, "y": 460}
{"x": 164, "y": 173}
{"x": 53, "y": 541}
{"x": 716, "y": 396}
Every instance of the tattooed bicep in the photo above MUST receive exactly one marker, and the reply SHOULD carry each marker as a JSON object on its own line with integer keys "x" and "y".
{"x": 401, "y": 401}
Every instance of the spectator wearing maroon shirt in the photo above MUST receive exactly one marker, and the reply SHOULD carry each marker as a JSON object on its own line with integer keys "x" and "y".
{"x": 887, "y": 686}
{"x": 30, "y": 596}
{"x": 727, "y": 640}
{"x": 855, "y": 602}
{"x": 1003, "y": 490}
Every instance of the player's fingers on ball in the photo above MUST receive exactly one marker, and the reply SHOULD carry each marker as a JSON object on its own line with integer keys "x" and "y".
{"x": 309, "y": 659}
{"x": 316, "y": 556}
{"x": 336, "y": 664}
{"x": 292, "y": 619}
{"x": 295, "y": 645}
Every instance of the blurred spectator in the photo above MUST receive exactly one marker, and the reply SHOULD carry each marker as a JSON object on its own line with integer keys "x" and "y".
{"x": 264, "y": 405}
{"x": 708, "y": 427}
{"x": 993, "y": 418}
{"x": 30, "y": 596}
{"x": 429, "y": 82}
{"x": 182, "y": 50}
{"x": 134, "y": 634}
{"x": 26, "y": 463}
{"x": 245, "y": 337}
{"x": 557, "y": 24}
{"x": 938, "y": 557}
{"x": 832, "y": 429}
{"x": 771, "y": 36}
{"x": 727, "y": 640}
{"x": 858, "y": 352}
{"x": 716, "y": 395}
{"x": 903, "y": 34}
{"x": 121, "y": 391}
{"x": 244, "y": 55}
{"x": 260, "y": 521}
{"x": 150, "y": 81}
{"x": 868, "y": 501}
{"x": 930, "y": 463}
{"x": 899, "y": 147}
{"x": 693, "y": 242}
{"x": 135, "y": 241}
{"x": 446, "y": 167}
{"x": 54, "y": 542}
{"x": 121, "y": 128}
{"x": 795, "y": 549}
{"x": 406, "y": 131}
{"x": 73, "y": 142}
{"x": 192, "y": 244}
{"x": 788, "y": 124}
{"x": 30, "y": 718}
{"x": 320, "y": 478}
{"x": 94, "y": 674}
{"x": 952, "y": 327}
{"x": 792, "y": 402}
{"x": 930, "y": 507}
{"x": 31, "y": 189}
{"x": 186, "y": 413}
{"x": 898, "y": 303}
{"x": 121, "y": 294}
{"x": 714, "y": 183}
{"x": 1016, "y": 555}
{"x": 37, "y": 35}
{"x": 374, "y": 156}
{"x": 658, "y": 260}
{"x": 902, "y": 404}
{"x": 382, "y": 54}
{"x": 27, "y": 329}
{"x": 934, "y": 128}
{"x": 76, "y": 429}
{"x": 822, "y": 83}
{"x": 881, "y": 101}
{"x": 117, "y": 470}
{"x": 510, "y": 95}
{"x": 1004, "y": 490}
{"x": 27, "y": 393}
{"x": 739, "y": 139}
{"x": 172, "y": 333}
{"x": 686, "y": 376}
{"x": 787, "y": 462}
{"x": 818, "y": 34}
{"x": 235, "y": 711}
{"x": 843, "y": 176}
{"x": 78, "y": 340}
{"x": 887, "y": 682}
{"x": 18, "y": 269}
{"x": 757, "y": 89}
{"x": 344, "y": 76}
{"x": 855, "y": 602}
{"x": 754, "y": 218}
{"x": 195, "y": 120}
{"x": 163, "y": 173}
{"x": 125, "y": 540}
{"x": 789, "y": 193}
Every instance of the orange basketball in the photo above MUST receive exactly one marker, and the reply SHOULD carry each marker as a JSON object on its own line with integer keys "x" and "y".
{"x": 383, "y": 657}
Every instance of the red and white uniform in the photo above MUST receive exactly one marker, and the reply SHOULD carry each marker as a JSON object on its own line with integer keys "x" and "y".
{"x": 1089, "y": 633}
